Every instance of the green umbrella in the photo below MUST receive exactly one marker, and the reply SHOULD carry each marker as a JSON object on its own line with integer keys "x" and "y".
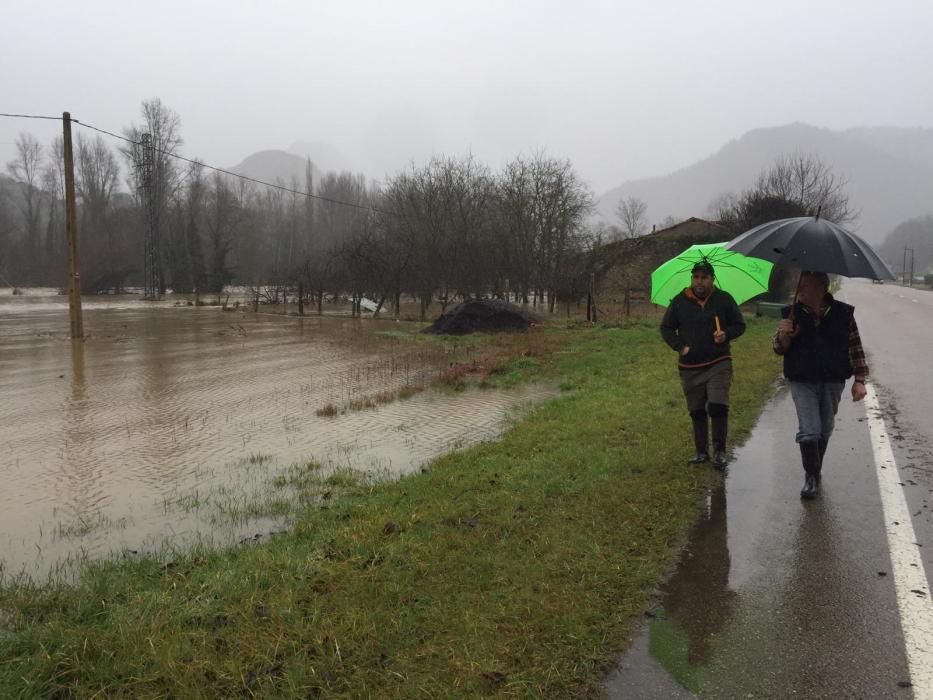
{"x": 742, "y": 276}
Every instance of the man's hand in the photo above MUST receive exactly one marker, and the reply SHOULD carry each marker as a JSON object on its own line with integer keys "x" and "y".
{"x": 858, "y": 391}
{"x": 719, "y": 337}
{"x": 684, "y": 350}
{"x": 787, "y": 328}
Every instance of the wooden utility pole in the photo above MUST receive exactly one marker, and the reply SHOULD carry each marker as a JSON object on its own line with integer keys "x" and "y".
{"x": 591, "y": 299}
{"x": 71, "y": 232}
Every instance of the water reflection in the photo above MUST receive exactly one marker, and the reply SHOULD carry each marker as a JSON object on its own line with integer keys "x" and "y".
{"x": 78, "y": 392}
{"x": 697, "y": 600}
{"x": 820, "y": 590}
{"x": 100, "y": 436}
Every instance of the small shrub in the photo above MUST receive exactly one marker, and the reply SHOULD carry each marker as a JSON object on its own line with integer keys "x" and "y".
{"x": 385, "y": 397}
{"x": 410, "y": 390}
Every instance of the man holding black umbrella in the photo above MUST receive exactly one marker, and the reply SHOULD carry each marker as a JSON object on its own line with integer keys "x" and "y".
{"x": 698, "y": 324}
{"x": 821, "y": 346}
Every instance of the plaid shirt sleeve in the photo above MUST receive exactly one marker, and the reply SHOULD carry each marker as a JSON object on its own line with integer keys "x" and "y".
{"x": 857, "y": 352}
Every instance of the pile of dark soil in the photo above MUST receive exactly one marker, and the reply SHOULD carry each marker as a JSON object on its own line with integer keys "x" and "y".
{"x": 482, "y": 315}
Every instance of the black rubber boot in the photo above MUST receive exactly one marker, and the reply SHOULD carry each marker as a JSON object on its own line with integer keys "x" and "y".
{"x": 823, "y": 443}
{"x": 700, "y": 437}
{"x": 810, "y": 457}
{"x": 719, "y": 415}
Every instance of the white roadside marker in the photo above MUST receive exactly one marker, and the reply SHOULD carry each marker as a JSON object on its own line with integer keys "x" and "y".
{"x": 910, "y": 582}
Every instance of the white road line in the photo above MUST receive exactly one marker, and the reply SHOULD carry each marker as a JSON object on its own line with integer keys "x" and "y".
{"x": 910, "y": 582}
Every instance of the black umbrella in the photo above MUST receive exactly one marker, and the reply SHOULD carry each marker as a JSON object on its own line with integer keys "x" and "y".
{"x": 812, "y": 243}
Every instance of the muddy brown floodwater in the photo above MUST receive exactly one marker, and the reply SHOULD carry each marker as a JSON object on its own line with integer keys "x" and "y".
{"x": 162, "y": 404}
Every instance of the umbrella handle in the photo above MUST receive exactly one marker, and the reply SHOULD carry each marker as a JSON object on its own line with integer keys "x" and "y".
{"x": 793, "y": 305}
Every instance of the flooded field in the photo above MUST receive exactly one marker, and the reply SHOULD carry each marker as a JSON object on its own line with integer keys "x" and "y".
{"x": 123, "y": 442}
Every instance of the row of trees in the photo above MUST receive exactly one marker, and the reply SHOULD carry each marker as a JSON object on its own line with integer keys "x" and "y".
{"x": 450, "y": 228}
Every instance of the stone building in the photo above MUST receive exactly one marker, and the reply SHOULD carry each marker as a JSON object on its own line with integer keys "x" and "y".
{"x": 624, "y": 276}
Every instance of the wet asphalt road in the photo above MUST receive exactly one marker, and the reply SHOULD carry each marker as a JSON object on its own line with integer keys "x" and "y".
{"x": 778, "y": 598}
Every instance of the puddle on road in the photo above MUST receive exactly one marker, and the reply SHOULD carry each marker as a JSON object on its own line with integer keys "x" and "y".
{"x": 766, "y": 578}
{"x": 118, "y": 442}
{"x": 666, "y": 657}
{"x": 702, "y": 576}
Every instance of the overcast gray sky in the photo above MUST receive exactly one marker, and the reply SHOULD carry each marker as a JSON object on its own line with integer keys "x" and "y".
{"x": 623, "y": 89}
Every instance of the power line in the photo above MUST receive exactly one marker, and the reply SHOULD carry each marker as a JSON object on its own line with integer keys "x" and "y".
{"x": 271, "y": 184}
{"x": 29, "y": 116}
{"x": 209, "y": 167}
{"x": 237, "y": 175}
{"x": 104, "y": 131}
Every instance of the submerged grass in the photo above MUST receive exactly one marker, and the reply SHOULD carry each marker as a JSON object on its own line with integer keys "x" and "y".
{"x": 513, "y": 568}
{"x": 83, "y": 526}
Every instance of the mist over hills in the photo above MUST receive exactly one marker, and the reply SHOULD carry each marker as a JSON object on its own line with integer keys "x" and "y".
{"x": 323, "y": 155}
{"x": 889, "y": 172}
{"x": 275, "y": 165}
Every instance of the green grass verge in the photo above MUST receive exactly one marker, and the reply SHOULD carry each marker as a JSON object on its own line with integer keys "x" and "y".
{"x": 515, "y": 568}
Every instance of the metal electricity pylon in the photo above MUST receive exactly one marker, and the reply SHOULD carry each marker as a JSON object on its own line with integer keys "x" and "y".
{"x": 147, "y": 195}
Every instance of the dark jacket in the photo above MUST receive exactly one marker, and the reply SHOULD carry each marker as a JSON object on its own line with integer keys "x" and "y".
{"x": 820, "y": 351}
{"x": 691, "y": 321}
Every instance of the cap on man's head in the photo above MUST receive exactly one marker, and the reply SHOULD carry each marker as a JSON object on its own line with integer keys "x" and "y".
{"x": 704, "y": 267}
{"x": 821, "y": 278}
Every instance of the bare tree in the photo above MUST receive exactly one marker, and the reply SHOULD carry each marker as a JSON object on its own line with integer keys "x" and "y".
{"x": 163, "y": 126}
{"x": 6, "y": 235}
{"x": 458, "y": 250}
{"x": 105, "y": 261}
{"x": 26, "y": 167}
{"x": 544, "y": 205}
{"x": 806, "y": 179}
{"x": 442, "y": 216}
{"x": 53, "y": 183}
{"x": 342, "y": 220}
{"x": 185, "y": 251}
{"x": 97, "y": 175}
{"x": 797, "y": 185}
{"x": 397, "y": 229}
{"x": 222, "y": 221}
{"x": 632, "y": 213}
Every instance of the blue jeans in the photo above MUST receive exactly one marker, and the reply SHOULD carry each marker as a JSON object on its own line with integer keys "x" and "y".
{"x": 816, "y": 404}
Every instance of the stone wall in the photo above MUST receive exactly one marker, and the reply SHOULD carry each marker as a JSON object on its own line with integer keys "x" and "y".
{"x": 626, "y": 266}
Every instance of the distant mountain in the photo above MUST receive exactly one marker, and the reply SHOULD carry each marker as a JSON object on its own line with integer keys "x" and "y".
{"x": 323, "y": 155}
{"x": 911, "y": 144}
{"x": 912, "y": 239}
{"x": 13, "y": 189}
{"x": 273, "y": 166}
{"x": 13, "y": 194}
{"x": 889, "y": 172}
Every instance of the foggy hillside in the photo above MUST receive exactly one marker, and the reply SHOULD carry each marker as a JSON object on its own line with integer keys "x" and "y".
{"x": 273, "y": 165}
{"x": 323, "y": 155}
{"x": 913, "y": 238}
{"x": 912, "y": 144}
{"x": 889, "y": 170}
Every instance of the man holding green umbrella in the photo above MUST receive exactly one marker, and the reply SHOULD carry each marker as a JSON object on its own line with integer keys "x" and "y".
{"x": 698, "y": 325}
